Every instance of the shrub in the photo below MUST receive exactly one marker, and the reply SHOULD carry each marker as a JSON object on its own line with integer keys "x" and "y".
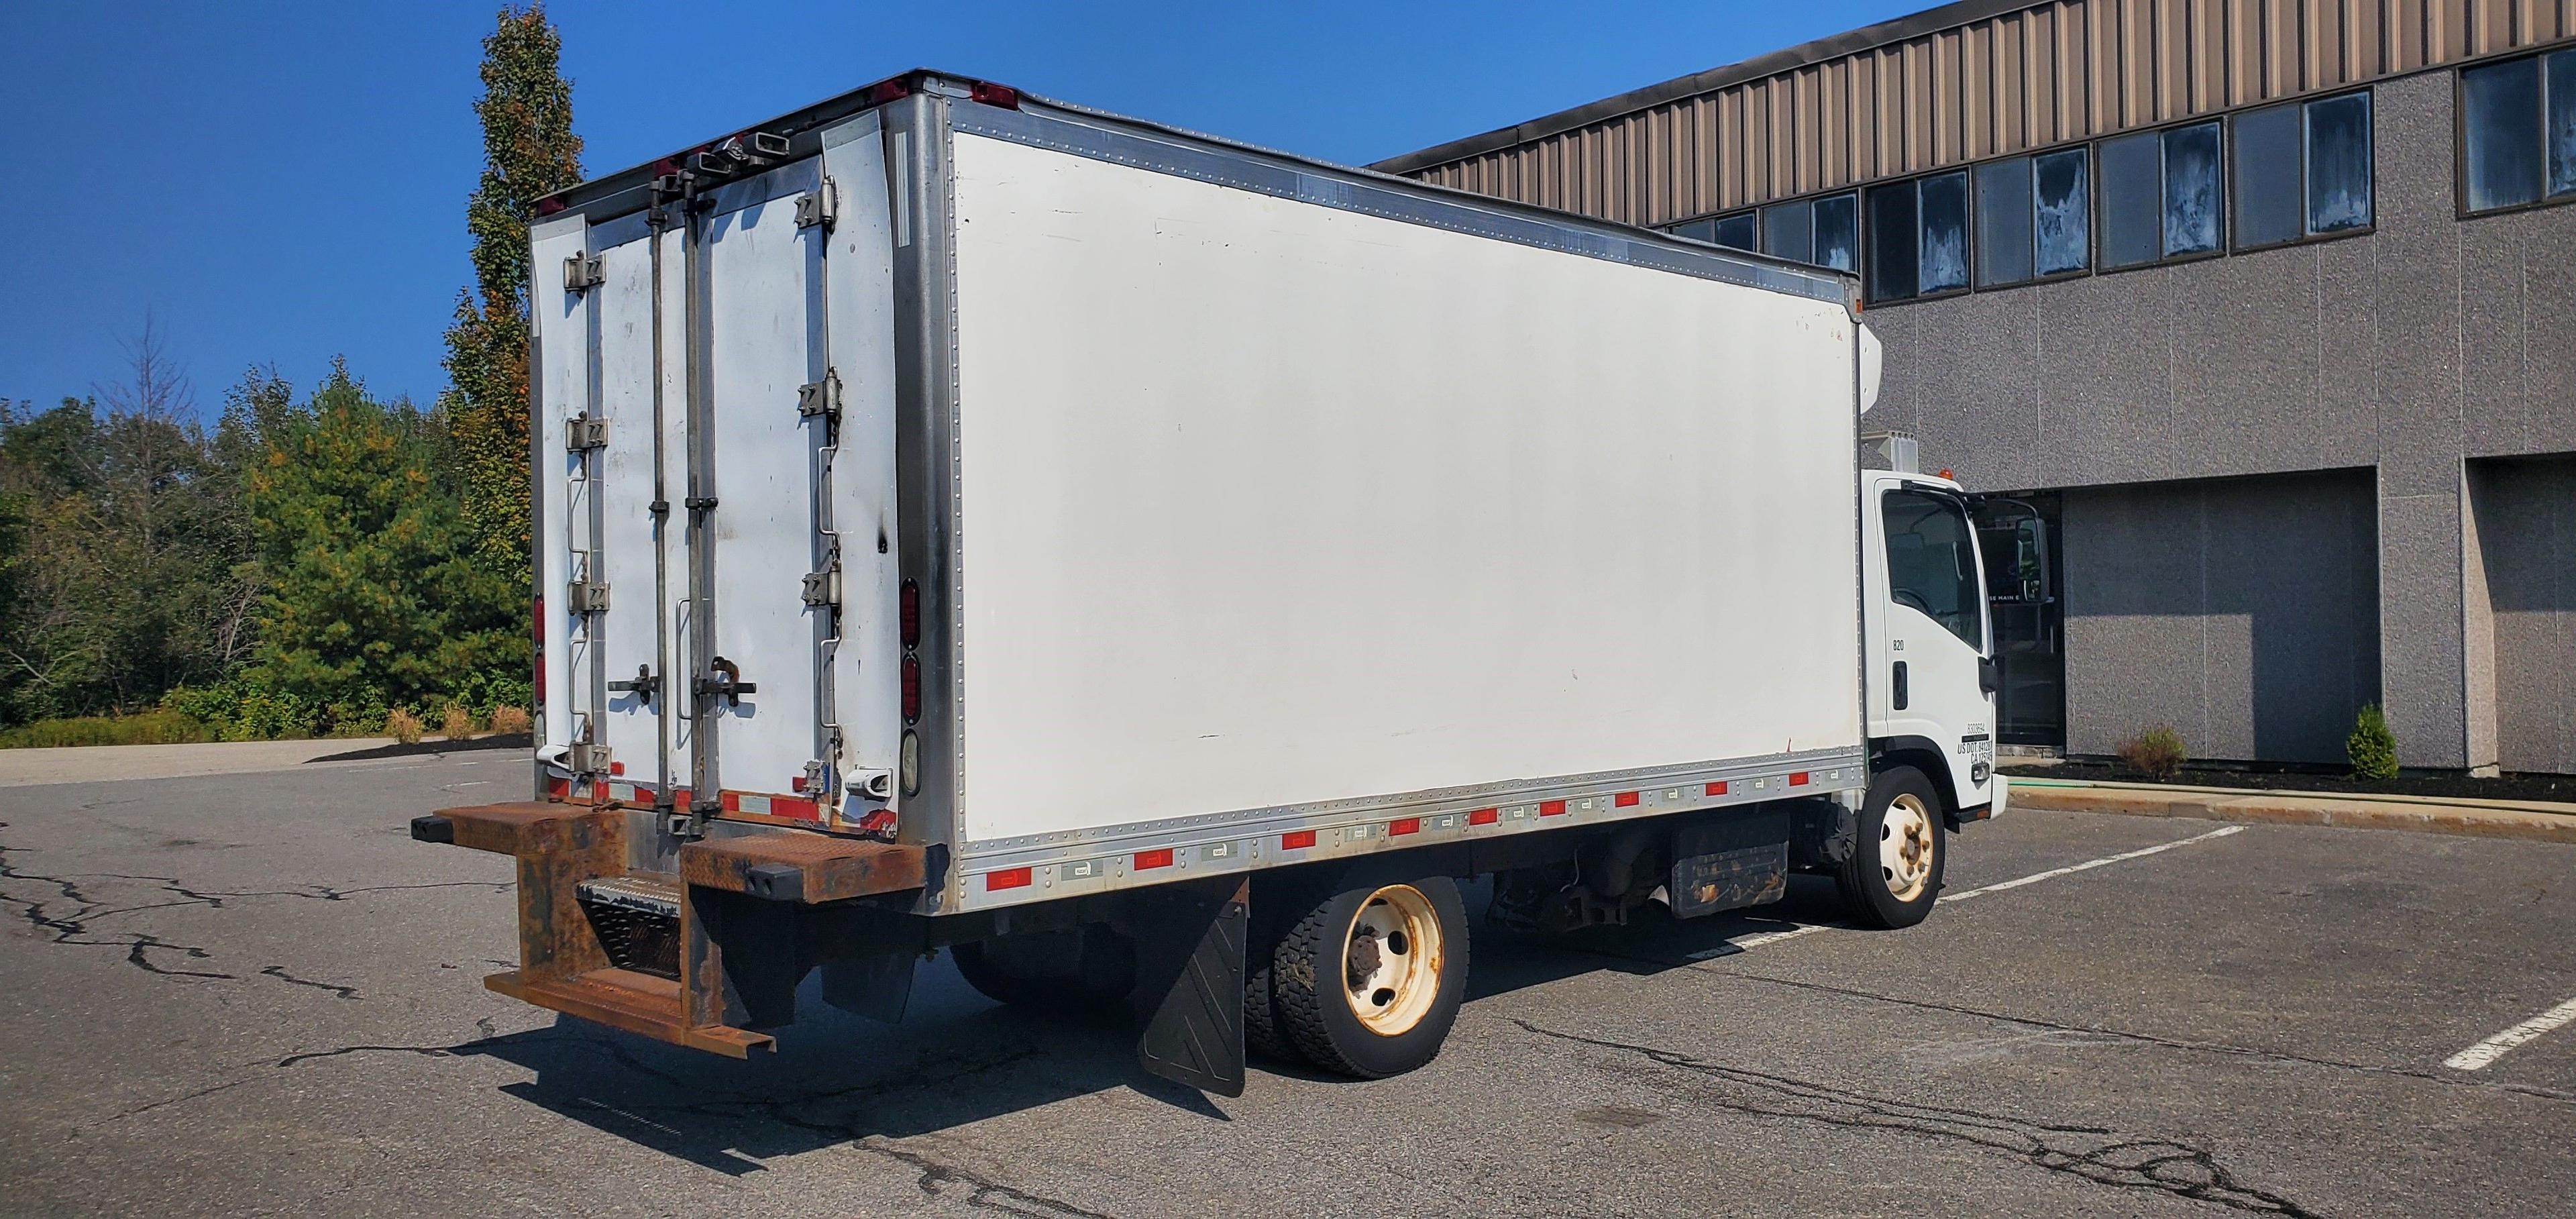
{"x": 2156, "y": 753}
{"x": 159, "y": 726}
{"x": 456, "y": 723}
{"x": 237, "y": 710}
{"x": 509, "y": 721}
{"x": 404, "y": 726}
{"x": 2372, "y": 747}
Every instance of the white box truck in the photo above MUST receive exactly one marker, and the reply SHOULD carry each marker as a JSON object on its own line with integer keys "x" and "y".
{"x": 1163, "y": 572}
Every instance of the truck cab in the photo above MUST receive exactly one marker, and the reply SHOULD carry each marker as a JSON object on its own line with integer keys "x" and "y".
{"x": 1932, "y": 676}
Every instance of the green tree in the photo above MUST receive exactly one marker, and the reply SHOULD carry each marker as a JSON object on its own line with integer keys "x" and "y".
{"x": 529, "y": 151}
{"x": 124, "y": 549}
{"x": 372, "y": 599}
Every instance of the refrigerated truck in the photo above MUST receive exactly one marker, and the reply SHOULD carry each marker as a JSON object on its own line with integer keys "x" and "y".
{"x": 1161, "y": 572}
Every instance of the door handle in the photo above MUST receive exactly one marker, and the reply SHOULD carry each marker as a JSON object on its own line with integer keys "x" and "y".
{"x": 1897, "y": 695}
{"x": 1990, "y": 674}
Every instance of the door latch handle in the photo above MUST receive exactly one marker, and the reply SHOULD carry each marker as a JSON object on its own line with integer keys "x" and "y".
{"x": 726, "y": 683}
{"x": 644, "y": 685}
{"x": 1990, "y": 674}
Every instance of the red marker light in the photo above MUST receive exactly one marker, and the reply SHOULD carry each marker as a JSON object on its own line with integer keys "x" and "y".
{"x": 1008, "y": 878}
{"x": 908, "y": 613}
{"x": 1485, "y": 816}
{"x": 1551, "y": 808}
{"x": 1718, "y": 788}
{"x": 1296, "y": 840}
{"x": 1797, "y": 778}
{"x": 911, "y": 689}
{"x": 992, "y": 94}
{"x": 1404, "y": 825}
{"x": 1624, "y": 800}
{"x": 1159, "y": 857}
{"x": 887, "y": 90}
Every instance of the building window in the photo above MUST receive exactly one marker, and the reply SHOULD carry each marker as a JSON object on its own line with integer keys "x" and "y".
{"x": 2160, "y": 195}
{"x": 2193, "y": 188}
{"x": 1734, "y": 232}
{"x": 2132, "y": 182}
{"x": 2302, "y": 170}
{"x": 2063, "y": 232}
{"x": 1818, "y": 232}
{"x": 1918, "y": 237}
{"x": 2033, "y": 218}
{"x": 2003, "y": 222}
{"x": 2518, "y": 132}
{"x": 1838, "y": 232}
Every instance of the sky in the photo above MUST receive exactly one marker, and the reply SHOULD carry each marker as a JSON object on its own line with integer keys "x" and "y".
{"x": 276, "y": 184}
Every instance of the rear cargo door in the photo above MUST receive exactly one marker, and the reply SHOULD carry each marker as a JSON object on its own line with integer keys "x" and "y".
{"x": 605, "y": 560}
{"x": 715, "y": 479}
{"x": 793, "y": 408}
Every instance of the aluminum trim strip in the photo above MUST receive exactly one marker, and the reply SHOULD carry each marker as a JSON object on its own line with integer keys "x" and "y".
{"x": 1362, "y": 808}
{"x": 1098, "y": 864}
{"x": 1309, "y": 183}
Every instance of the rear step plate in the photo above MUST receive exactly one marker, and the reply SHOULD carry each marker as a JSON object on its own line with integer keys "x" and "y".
{"x": 641, "y": 894}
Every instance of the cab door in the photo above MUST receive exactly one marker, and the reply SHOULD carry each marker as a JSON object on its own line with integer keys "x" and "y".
{"x": 1928, "y": 631}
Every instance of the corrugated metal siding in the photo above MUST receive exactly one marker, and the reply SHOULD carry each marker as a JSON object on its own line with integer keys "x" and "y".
{"x": 2052, "y": 73}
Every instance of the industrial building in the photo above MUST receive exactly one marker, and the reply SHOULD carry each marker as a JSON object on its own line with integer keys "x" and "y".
{"x": 2266, "y": 308}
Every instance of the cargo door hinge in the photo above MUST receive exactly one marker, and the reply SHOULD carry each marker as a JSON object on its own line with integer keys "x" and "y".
{"x": 587, "y": 596}
{"x": 823, "y": 587}
{"x": 815, "y": 208}
{"x": 582, "y": 272}
{"x": 584, "y": 758}
{"x": 820, "y": 397}
{"x": 585, "y": 432}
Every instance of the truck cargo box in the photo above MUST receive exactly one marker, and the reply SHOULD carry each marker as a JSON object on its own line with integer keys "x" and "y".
{"x": 1092, "y": 504}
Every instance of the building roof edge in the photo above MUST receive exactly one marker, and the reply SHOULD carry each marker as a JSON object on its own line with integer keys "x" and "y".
{"x": 1947, "y": 16}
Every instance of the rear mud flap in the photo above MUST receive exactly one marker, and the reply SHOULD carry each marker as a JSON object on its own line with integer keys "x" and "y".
{"x": 1189, "y": 961}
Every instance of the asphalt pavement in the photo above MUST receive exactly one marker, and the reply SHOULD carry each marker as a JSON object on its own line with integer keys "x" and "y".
{"x": 254, "y": 994}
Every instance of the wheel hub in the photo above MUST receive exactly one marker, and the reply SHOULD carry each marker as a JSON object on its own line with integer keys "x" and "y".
{"x": 1391, "y": 960}
{"x": 1905, "y": 847}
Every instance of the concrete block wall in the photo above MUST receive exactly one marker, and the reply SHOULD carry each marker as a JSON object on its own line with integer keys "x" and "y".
{"x": 2407, "y": 353}
{"x": 2524, "y": 528}
{"x": 2240, "y": 611}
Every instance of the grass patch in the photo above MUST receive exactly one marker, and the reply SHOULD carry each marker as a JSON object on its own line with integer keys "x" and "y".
{"x": 160, "y": 726}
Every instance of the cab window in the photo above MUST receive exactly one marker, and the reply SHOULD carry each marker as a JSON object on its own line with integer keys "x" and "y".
{"x": 1932, "y": 563}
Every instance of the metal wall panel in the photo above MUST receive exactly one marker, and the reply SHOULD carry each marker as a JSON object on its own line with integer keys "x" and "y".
{"x": 1997, "y": 79}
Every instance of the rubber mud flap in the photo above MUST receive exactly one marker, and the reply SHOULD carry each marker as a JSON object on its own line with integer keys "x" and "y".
{"x": 1192, "y": 958}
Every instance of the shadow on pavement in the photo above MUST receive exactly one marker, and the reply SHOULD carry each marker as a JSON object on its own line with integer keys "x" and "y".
{"x": 957, "y": 1059}
{"x": 514, "y": 740}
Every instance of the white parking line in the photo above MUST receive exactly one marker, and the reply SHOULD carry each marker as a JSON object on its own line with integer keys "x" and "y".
{"x": 2476, "y": 1057}
{"x": 2070, "y": 869}
{"x": 1774, "y": 937}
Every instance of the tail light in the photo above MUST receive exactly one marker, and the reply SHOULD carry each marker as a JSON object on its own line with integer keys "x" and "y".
{"x": 537, "y": 631}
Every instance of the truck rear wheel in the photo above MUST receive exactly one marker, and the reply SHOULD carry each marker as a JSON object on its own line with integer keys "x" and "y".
{"x": 1894, "y": 872}
{"x": 1090, "y": 968}
{"x": 1368, "y": 980}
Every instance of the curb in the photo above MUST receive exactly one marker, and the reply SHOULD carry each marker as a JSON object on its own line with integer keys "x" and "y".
{"x": 2531, "y": 822}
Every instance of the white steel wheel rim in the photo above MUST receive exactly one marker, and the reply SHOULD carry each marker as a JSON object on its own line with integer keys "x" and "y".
{"x": 1905, "y": 846}
{"x": 1391, "y": 959}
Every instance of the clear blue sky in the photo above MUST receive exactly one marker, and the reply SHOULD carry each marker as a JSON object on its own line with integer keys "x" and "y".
{"x": 281, "y": 182}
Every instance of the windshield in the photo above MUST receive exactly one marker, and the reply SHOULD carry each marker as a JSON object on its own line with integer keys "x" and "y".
{"x": 1932, "y": 563}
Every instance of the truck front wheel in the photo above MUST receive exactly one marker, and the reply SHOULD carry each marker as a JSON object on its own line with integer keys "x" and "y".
{"x": 1368, "y": 980}
{"x": 1894, "y": 871}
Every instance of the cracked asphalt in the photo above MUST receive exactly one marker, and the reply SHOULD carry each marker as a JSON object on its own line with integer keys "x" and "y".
{"x": 253, "y": 994}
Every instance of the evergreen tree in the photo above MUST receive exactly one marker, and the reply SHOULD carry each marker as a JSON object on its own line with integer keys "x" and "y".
{"x": 372, "y": 597}
{"x": 529, "y": 151}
